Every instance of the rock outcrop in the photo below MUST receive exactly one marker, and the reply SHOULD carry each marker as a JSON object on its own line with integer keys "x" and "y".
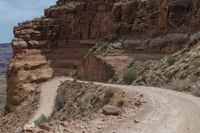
{"x": 56, "y": 43}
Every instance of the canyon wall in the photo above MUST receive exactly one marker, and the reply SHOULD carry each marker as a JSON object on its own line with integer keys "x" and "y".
{"x": 54, "y": 45}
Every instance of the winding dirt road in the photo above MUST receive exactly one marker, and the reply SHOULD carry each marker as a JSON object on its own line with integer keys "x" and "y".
{"x": 166, "y": 112}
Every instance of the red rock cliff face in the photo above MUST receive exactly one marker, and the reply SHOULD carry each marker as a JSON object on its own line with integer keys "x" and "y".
{"x": 141, "y": 17}
{"x": 55, "y": 44}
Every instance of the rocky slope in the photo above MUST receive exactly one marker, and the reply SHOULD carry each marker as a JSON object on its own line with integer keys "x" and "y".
{"x": 179, "y": 71}
{"x": 56, "y": 43}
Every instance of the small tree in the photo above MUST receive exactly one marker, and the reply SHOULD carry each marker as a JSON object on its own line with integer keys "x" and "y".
{"x": 130, "y": 75}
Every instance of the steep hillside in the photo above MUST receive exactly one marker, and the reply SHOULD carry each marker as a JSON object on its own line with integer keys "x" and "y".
{"x": 132, "y": 31}
{"x": 179, "y": 71}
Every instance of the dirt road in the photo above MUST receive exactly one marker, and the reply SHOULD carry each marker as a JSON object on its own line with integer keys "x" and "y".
{"x": 47, "y": 97}
{"x": 166, "y": 112}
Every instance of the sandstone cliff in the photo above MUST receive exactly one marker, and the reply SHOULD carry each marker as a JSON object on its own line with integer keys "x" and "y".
{"x": 56, "y": 43}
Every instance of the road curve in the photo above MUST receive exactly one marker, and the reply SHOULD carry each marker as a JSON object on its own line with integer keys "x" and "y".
{"x": 166, "y": 111}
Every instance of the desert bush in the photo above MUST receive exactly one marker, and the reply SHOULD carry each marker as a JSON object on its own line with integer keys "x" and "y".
{"x": 108, "y": 95}
{"x": 146, "y": 67}
{"x": 12, "y": 109}
{"x": 182, "y": 85}
{"x": 86, "y": 105}
{"x": 60, "y": 100}
{"x": 41, "y": 119}
{"x": 130, "y": 75}
{"x": 101, "y": 47}
{"x": 120, "y": 101}
{"x": 171, "y": 60}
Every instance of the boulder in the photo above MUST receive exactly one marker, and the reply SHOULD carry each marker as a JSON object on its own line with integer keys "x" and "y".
{"x": 110, "y": 110}
{"x": 117, "y": 45}
{"x": 45, "y": 126}
{"x": 29, "y": 126}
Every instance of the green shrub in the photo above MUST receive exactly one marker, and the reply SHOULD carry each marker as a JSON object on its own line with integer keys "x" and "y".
{"x": 171, "y": 60}
{"x": 86, "y": 104}
{"x": 41, "y": 119}
{"x": 108, "y": 95}
{"x": 12, "y": 109}
{"x": 130, "y": 75}
{"x": 146, "y": 67}
{"x": 61, "y": 100}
